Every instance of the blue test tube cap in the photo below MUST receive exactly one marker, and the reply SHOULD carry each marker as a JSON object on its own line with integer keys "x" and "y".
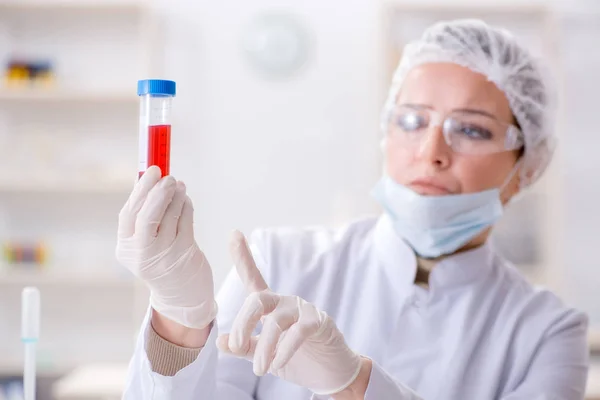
{"x": 158, "y": 87}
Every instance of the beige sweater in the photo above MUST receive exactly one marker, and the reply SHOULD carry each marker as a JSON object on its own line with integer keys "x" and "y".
{"x": 167, "y": 359}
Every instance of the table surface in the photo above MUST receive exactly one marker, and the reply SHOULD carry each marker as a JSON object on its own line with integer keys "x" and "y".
{"x": 93, "y": 381}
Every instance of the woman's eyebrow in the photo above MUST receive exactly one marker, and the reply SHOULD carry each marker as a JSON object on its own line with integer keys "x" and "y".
{"x": 417, "y": 106}
{"x": 475, "y": 111}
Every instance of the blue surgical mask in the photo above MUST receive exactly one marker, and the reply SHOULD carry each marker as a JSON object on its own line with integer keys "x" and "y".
{"x": 437, "y": 225}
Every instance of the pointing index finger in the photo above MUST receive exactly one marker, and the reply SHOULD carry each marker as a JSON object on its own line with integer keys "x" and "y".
{"x": 244, "y": 263}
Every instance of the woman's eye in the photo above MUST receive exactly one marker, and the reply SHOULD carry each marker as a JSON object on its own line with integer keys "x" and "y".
{"x": 475, "y": 132}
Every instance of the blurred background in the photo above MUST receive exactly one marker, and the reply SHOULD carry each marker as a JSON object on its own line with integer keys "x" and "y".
{"x": 275, "y": 123}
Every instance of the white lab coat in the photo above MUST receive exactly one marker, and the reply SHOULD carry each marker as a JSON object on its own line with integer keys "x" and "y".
{"x": 480, "y": 332}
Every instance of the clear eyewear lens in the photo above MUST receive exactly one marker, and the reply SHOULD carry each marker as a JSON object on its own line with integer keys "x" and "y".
{"x": 468, "y": 133}
{"x": 475, "y": 134}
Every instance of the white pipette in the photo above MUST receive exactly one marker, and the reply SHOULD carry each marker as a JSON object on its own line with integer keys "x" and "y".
{"x": 30, "y": 331}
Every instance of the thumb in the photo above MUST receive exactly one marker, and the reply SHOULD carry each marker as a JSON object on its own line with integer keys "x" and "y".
{"x": 223, "y": 345}
{"x": 244, "y": 263}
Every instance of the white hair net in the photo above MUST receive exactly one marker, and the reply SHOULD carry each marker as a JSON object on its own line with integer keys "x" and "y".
{"x": 496, "y": 54}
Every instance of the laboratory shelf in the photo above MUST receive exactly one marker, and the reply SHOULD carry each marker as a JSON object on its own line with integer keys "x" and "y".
{"x": 15, "y": 369}
{"x": 89, "y": 113}
{"x": 72, "y": 5}
{"x": 468, "y": 6}
{"x": 66, "y": 278}
{"x": 47, "y": 187}
{"x": 65, "y": 95}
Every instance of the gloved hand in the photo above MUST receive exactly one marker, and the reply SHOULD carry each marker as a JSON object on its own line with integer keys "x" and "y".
{"x": 298, "y": 342}
{"x": 156, "y": 243}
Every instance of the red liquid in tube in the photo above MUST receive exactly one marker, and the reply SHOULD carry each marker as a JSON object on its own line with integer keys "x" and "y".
{"x": 159, "y": 148}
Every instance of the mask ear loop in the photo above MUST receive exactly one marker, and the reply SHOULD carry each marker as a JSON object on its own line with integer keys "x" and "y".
{"x": 509, "y": 178}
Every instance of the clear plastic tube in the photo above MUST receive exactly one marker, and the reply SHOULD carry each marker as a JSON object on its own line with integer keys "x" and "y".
{"x": 30, "y": 330}
{"x": 29, "y": 371}
{"x": 156, "y": 98}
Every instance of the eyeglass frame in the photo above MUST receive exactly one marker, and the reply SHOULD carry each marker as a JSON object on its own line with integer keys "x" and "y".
{"x": 514, "y": 138}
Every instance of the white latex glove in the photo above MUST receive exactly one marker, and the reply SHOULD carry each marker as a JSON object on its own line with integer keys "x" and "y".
{"x": 298, "y": 342}
{"x": 156, "y": 243}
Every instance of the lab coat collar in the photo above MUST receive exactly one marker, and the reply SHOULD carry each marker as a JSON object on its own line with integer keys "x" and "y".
{"x": 398, "y": 258}
{"x": 400, "y": 261}
{"x": 462, "y": 268}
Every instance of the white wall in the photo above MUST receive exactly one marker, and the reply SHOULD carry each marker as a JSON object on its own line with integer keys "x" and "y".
{"x": 259, "y": 153}
{"x": 579, "y": 170}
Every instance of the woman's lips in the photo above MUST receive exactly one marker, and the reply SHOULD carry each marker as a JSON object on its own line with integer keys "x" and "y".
{"x": 427, "y": 187}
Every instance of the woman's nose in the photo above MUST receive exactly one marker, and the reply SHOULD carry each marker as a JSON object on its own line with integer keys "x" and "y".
{"x": 433, "y": 149}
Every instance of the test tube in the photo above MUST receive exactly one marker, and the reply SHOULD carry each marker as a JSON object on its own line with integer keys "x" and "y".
{"x": 30, "y": 331}
{"x": 156, "y": 97}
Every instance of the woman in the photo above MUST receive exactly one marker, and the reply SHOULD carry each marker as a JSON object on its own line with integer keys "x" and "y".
{"x": 411, "y": 305}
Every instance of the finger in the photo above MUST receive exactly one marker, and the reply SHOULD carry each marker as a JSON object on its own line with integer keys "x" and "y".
{"x": 244, "y": 263}
{"x": 153, "y": 210}
{"x": 223, "y": 345}
{"x": 273, "y": 326}
{"x": 170, "y": 221}
{"x": 134, "y": 203}
{"x": 255, "y": 306}
{"x": 185, "y": 225}
{"x": 308, "y": 324}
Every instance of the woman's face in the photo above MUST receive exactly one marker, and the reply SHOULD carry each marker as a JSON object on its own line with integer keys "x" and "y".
{"x": 431, "y": 167}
